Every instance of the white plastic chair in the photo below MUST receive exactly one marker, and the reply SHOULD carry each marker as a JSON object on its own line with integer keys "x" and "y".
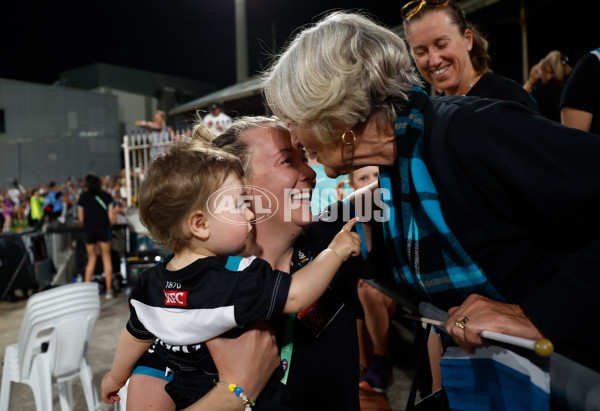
{"x": 52, "y": 344}
{"x": 122, "y": 405}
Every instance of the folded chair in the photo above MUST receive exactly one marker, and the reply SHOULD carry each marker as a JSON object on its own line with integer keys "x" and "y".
{"x": 52, "y": 344}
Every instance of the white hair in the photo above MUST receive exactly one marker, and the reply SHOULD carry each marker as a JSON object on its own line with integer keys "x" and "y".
{"x": 337, "y": 73}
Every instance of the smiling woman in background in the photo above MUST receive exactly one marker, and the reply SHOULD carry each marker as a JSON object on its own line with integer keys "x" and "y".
{"x": 451, "y": 54}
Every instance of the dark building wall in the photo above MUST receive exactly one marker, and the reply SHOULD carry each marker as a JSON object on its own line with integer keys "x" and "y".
{"x": 135, "y": 81}
{"x": 53, "y": 133}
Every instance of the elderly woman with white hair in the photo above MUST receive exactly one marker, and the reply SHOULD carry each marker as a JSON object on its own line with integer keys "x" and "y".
{"x": 494, "y": 209}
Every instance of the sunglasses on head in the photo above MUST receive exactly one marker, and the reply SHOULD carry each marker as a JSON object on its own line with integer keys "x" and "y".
{"x": 413, "y": 7}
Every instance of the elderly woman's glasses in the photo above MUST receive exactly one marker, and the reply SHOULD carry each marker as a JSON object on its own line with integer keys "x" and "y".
{"x": 415, "y": 6}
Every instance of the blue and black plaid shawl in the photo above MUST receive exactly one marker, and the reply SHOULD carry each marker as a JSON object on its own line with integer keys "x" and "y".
{"x": 422, "y": 250}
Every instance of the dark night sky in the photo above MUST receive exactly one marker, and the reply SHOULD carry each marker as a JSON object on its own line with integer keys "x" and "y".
{"x": 196, "y": 38}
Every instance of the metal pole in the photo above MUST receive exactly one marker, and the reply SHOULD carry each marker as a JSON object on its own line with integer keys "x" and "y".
{"x": 127, "y": 169}
{"x": 241, "y": 41}
{"x": 524, "y": 42}
{"x": 19, "y": 161}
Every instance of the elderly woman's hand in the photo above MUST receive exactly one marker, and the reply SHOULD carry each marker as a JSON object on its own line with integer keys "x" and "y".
{"x": 478, "y": 313}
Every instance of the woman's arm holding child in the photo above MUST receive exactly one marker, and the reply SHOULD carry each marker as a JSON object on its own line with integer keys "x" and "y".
{"x": 258, "y": 348}
{"x": 129, "y": 350}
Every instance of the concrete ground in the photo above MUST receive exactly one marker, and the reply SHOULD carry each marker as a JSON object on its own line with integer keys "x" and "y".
{"x": 113, "y": 316}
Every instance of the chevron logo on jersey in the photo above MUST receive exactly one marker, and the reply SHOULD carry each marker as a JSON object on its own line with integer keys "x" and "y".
{"x": 177, "y": 298}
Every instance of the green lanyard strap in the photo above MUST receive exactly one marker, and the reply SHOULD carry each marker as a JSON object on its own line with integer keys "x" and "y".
{"x": 102, "y": 203}
{"x": 288, "y": 336}
{"x": 288, "y": 345}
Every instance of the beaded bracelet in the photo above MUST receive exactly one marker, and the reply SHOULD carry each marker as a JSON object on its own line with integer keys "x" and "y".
{"x": 247, "y": 402}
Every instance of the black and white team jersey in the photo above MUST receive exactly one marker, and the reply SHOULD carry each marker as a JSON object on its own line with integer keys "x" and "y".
{"x": 182, "y": 309}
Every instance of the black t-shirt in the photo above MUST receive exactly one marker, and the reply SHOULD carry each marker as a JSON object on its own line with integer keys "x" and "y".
{"x": 324, "y": 369}
{"x": 547, "y": 95}
{"x": 582, "y": 89}
{"x": 95, "y": 209}
{"x": 491, "y": 85}
{"x": 522, "y": 195}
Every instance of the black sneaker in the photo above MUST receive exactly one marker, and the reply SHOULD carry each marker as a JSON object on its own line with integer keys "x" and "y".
{"x": 378, "y": 377}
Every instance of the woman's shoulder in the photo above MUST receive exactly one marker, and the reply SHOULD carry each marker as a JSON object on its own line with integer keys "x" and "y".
{"x": 473, "y": 120}
{"x": 496, "y": 80}
{"x": 106, "y": 195}
{"x": 494, "y": 86}
{"x": 586, "y": 70}
{"x": 480, "y": 129}
{"x": 84, "y": 196}
{"x": 592, "y": 58}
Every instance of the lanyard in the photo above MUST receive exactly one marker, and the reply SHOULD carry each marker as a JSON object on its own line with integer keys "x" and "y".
{"x": 288, "y": 346}
{"x": 102, "y": 203}
{"x": 288, "y": 336}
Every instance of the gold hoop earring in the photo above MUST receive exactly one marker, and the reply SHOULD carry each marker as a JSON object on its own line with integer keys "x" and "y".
{"x": 348, "y": 143}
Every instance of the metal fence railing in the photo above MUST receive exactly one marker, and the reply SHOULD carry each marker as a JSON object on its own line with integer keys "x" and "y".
{"x": 139, "y": 148}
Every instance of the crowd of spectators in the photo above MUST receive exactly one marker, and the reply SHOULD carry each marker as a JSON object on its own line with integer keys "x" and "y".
{"x": 54, "y": 201}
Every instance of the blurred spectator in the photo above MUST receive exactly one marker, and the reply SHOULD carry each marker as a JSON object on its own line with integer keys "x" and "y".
{"x": 8, "y": 207}
{"x": 326, "y": 189}
{"x": 580, "y": 99}
{"x": 120, "y": 209}
{"x": 15, "y": 192}
{"x": 97, "y": 214}
{"x": 216, "y": 120}
{"x": 546, "y": 81}
{"x": 105, "y": 182}
{"x": 71, "y": 195}
{"x": 161, "y": 134}
{"x": 30, "y": 204}
{"x": 36, "y": 212}
{"x": 52, "y": 203}
{"x": 118, "y": 185}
